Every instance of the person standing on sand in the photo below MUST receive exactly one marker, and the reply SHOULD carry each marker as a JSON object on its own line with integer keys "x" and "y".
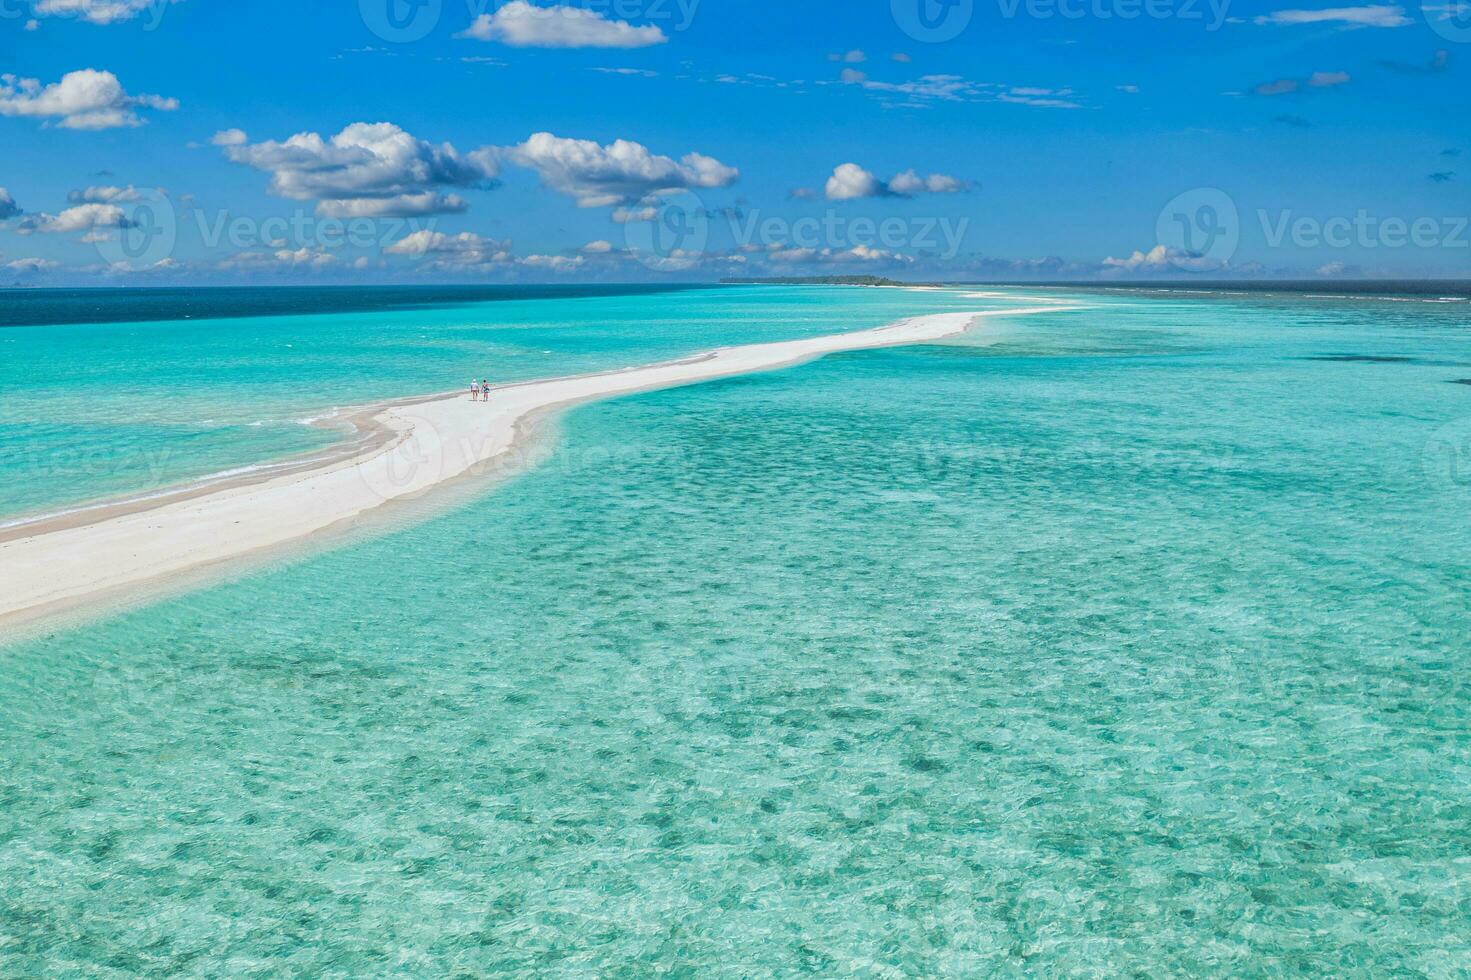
{"x": 474, "y": 390}
{"x": 485, "y": 388}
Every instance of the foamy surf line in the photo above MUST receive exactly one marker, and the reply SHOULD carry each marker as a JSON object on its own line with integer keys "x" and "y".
{"x": 64, "y": 560}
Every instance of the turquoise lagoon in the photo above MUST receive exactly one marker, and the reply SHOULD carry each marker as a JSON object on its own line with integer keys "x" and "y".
{"x": 1131, "y": 640}
{"x": 188, "y": 386}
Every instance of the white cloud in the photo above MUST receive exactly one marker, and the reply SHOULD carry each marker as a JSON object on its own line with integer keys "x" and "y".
{"x": 8, "y": 207}
{"x": 425, "y": 241}
{"x": 854, "y": 57}
{"x": 451, "y": 251}
{"x": 627, "y": 216}
{"x": 402, "y": 206}
{"x": 599, "y": 247}
{"x": 31, "y": 265}
{"x": 523, "y": 25}
{"x": 281, "y": 259}
{"x": 1318, "y": 79}
{"x": 1281, "y": 86}
{"x": 910, "y": 183}
{"x": 828, "y": 256}
{"x": 639, "y": 72}
{"x": 105, "y": 195}
{"x": 850, "y": 182}
{"x": 305, "y": 256}
{"x": 621, "y": 173}
{"x": 553, "y": 263}
{"x": 83, "y": 217}
{"x": 85, "y": 99}
{"x": 793, "y": 255}
{"x": 676, "y": 260}
{"x": 1372, "y": 16}
{"x": 864, "y": 253}
{"x": 1163, "y": 257}
{"x": 98, "y": 11}
{"x": 230, "y": 137}
{"x": 1446, "y": 11}
{"x": 368, "y": 169}
{"x": 1156, "y": 258}
{"x": 1042, "y": 98}
{"x": 927, "y": 88}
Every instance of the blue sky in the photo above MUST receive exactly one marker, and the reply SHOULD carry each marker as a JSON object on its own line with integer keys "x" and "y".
{"x": 149, "y": 141}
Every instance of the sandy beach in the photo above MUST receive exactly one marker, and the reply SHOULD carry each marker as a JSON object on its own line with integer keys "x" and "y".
{"x": 54, "y": 563}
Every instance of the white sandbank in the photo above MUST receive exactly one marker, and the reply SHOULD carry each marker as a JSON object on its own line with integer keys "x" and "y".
{"x": 55, "y": 563}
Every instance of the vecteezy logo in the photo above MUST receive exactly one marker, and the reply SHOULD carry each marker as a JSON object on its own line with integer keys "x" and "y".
{"x": 1451, "y": 19}
{"x": 144, "y": 237}
{"x": 400, "y": 21}
{"x": 1447, "y": 457}
{"x": 932, "y": 21}
{"x": 422, "y": 457}
{"x": 1199, "y": 229}
{"x": 670, "y": 236}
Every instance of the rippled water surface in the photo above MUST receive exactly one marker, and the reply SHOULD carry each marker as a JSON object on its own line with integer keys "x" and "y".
{"x": 1132, "y": 640}
{"x": 94, "y": 409}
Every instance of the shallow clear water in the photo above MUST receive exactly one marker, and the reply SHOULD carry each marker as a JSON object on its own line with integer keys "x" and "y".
{"x": 1135, "y": 642}
{"x": 97, "y": 409}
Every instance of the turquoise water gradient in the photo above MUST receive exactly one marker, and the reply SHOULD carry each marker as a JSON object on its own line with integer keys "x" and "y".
{"x": 93, "y": 410}
{"x": 1135, "y": 642}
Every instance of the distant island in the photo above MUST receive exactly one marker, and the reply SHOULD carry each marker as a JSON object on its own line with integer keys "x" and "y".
{"x": 1444, "y": 290}
{"x": 813, "y": 281}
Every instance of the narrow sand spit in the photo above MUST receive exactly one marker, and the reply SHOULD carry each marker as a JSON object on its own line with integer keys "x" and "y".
{"x": 57, "y": 562}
